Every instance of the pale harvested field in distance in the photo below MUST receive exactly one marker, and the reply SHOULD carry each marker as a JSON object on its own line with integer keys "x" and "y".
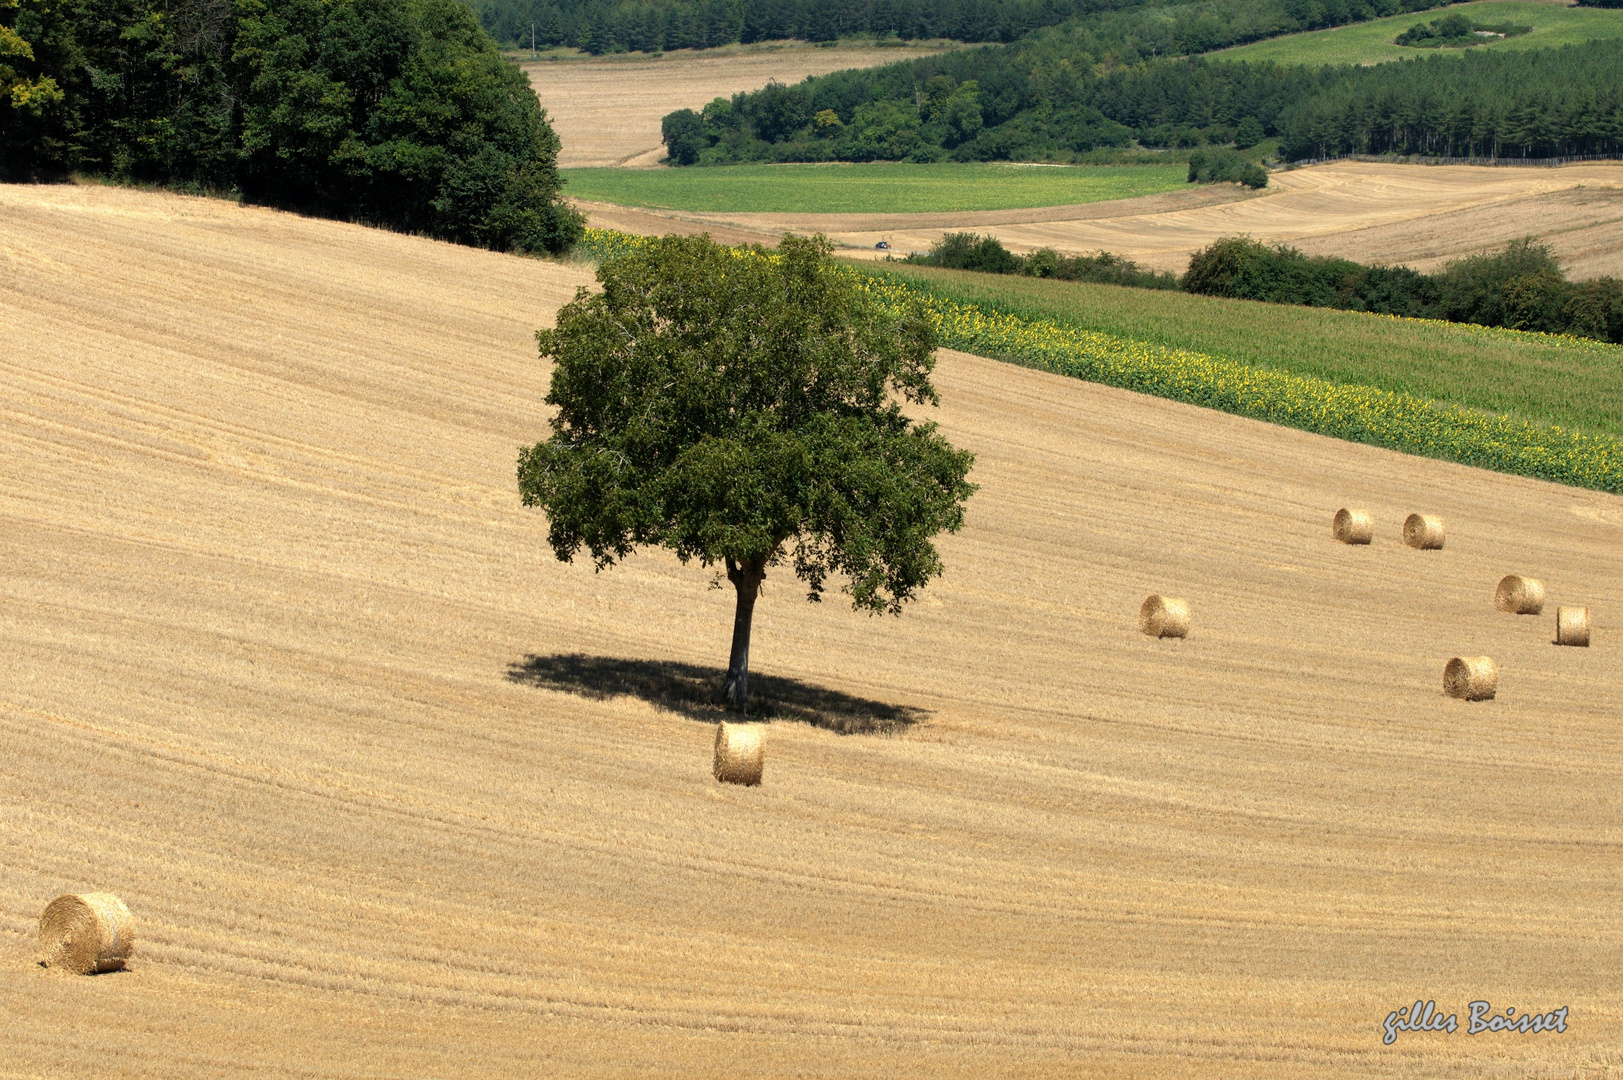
{"x": 1421, "y": 215}
{"x": 606, "y": 110}
{"x": 264, "y": 577}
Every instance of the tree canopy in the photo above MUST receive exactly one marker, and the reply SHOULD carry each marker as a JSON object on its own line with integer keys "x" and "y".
{"x": 394, "y": 112}
{"x": 745, "y": 408}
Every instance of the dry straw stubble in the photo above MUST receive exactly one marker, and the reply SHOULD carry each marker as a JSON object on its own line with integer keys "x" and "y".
{"x": 1572, "y": 626}
{"x": 1423, "y": 531}
{"x": 740, "y": 753}
{"x": 1519, "y": 595}
{"x": 1472, "y": 678}
{"x": 1164, "y": 617}
{"x": 86, "y": 934}
{"x": 1353, "y": 526}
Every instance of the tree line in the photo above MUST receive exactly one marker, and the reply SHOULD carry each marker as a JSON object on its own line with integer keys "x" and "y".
{"x": 1521, "y": 287}
{"x": 1031, "y": 100}
{"x": 1039, "y": 102}
{"x": 603, "y": 26}
{"x": 1131, "y": 27}
{"x": 400, "y": 113}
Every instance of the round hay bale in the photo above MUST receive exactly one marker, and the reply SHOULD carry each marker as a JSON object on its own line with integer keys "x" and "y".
{"x": 1572, "y": 626}
{"x": 1423, "y": 531}
{"x": 740, "y": 751}
{"x": 86, "y": 934}
{"x": 1519, "y": 595}
{"x": 1353, "y": 526}
{"x": 1474, "y": 678}
{"x": 1163, "y": 616}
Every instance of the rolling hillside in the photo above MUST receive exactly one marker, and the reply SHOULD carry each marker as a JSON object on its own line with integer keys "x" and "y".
{"x": 393, "y": 793}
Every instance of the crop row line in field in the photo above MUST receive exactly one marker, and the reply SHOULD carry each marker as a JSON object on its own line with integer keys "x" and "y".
{"x": 1364, "y": 414}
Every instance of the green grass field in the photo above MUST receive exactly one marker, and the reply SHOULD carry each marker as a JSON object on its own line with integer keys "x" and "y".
{"x": 870, "y": 189}
{"x": 1578, "y": 385}
{"x": 1371, "y": 42}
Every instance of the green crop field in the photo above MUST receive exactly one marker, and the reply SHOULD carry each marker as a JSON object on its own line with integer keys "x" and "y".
{"x": 870, "y": 189}
{"x": 1371, "y": 42}
{"x": 1576, "y": 384}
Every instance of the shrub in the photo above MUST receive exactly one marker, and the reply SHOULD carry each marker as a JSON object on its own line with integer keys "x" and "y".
{"x": 1211, "y": 165}
{"x": 967, "y": 251}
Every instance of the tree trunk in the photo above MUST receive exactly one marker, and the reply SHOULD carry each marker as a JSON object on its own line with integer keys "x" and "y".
{"x": 746, "y": 577}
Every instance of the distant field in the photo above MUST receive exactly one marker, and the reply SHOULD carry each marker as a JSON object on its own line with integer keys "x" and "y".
{"x": 1371, "y": 42}
{"x": 606, "y": 109}
{"x": 1528, "y": 376}
{"x": 872, "y": 189}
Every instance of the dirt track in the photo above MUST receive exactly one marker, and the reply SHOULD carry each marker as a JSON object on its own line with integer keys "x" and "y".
{"x": 266, "y": 599}
{"x": 1414, "y": 214}
{"x": 607, "y": 110}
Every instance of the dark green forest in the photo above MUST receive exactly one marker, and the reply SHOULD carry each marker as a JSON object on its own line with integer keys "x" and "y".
{"x": 602, "y": 26}
{"x": 1045, "y": 100}
{"x": 1152, "y": 27}
{"x": 400, "y": 113}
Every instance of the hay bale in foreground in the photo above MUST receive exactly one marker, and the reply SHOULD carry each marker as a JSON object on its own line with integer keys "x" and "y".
{"x": 740, "y": 753}
{"x": 1164, "y": 616}
{"x": 1519, "y": 595}
{"x": 86, "y": 934}
{"x": 1572, "y": 626}
{"x": 1353, "y": 526}
{"x": 1423, "y": 531}
{"x": 1474, "y": 678}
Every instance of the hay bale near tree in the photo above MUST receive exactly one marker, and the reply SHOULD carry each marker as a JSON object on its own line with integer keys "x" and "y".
{"x": 744, "y": 408}
{"x": 740, "y": 753}
{"x": 1519, "y": 595}
{"x": 86, "y": 934}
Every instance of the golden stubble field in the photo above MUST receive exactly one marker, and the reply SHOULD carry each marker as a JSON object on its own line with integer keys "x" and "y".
{"x": 606, "y": 110}
{"x": 1420, "y": 215}
{"x": 265, "y": 584}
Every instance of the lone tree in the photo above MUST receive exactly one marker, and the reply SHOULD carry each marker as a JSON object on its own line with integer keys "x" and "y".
{"x": 745, "y": 408}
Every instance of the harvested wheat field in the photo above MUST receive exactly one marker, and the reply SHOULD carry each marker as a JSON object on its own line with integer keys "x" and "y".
{"x": 390, "y": 792}
{"x": 607, "y": 110}
{"x": 1421, "y": 215}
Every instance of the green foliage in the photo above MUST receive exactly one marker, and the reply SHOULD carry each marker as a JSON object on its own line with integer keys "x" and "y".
{"x": 967, "y": 251}
{"x": 1521, "y": 287}
{"x": 870, "y": 188}
{"x": 1248, "y": 134}
{"x": 395, "y": 112}
{"x": 601, "y": 26}
{"x": 1034, "y": 100}
{"x": 1065, "y": 92}
{"x": 987, "y": 255}
{"x": 1457, "y": 32}
{"x": 1372, "y": 43}
{"x": 1542, "y": 103}
{"x": 1222, "y": 165}
{"x": 742, "y": 407}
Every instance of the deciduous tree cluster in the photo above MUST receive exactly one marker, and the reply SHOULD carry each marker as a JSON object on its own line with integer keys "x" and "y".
{"x": 395, "y": 112}
{"x": 1521, "y": 287}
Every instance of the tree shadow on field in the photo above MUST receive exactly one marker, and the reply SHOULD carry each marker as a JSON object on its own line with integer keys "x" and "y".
{"x": 695, "y": 691}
